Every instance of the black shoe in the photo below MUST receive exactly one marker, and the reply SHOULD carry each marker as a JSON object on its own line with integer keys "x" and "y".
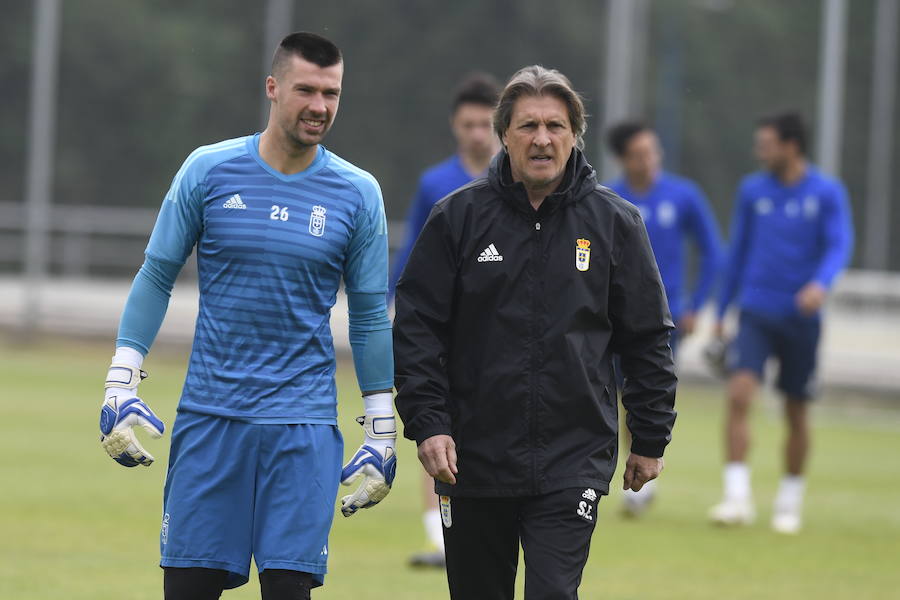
{"x": 433, "y": 559}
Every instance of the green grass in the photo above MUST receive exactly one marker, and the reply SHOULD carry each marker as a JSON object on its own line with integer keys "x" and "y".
{"x": 76, "y": 525}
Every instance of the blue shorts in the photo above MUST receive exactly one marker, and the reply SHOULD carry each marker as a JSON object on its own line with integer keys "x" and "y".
{"x": 236, "y": 490}
{"x": 793, "y": 340}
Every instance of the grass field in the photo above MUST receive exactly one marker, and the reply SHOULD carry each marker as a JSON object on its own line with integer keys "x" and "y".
{"x": 75, "y": 525}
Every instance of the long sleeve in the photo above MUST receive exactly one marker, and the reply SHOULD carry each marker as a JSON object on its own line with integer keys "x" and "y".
{"x": 177, "y": 229}
{"x": 837, "y": 237}
{"x": 415, "y": 219}
{"x": 702, "y": 227}
{"x": 370, "y": 341}
{"x": 147, "y": 303}
{"x": 424, "y": 305}
{"x": 738, "y": 248}
{"x": 365, "y": 278}
{"x": 642, "y": 327}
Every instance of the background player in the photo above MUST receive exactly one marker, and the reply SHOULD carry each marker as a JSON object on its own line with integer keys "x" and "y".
{"x": 791, "y": 236}
{"x": 675, "y": 210}
{"x": 476, "y": 144}
{"x": 470, "y": 122}
{"x": 278, "y": 221}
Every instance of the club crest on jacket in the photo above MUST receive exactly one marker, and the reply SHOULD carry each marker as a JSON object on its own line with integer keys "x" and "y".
{"x": 582, "y": 254}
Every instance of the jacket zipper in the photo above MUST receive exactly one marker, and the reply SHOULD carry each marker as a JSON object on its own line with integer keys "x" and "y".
{"x": 535, "y": 356}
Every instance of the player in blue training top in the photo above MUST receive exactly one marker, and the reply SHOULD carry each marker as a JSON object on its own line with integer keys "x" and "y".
{"x": 470, "y": 121}
{"x": 278, "y": 221}
{"x": 476, "y": 144}
{"x": 675, "y": 211}
{"x": 791, "y": 235}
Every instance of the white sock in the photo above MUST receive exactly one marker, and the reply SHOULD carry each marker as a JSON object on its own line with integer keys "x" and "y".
{"x": 434, "y": 529}
{"x": 737, "y": 481}
{"x": 790, "y": 493}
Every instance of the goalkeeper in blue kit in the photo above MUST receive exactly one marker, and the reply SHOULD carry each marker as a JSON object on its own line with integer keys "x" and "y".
{"x": 278, "y": 222}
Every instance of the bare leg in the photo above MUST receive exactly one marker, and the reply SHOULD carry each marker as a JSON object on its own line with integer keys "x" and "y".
{"x": 796, "y": 448}
{"x": 741, "y": 388}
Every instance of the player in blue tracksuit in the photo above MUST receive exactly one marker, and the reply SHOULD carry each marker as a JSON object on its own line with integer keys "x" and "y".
{"x": 470, "y": 122}
{"x": 675, "y": 212}
{"x": 278, "y": 222}
{"x": 476, "y": 145}
{"x": 791, "y": 236}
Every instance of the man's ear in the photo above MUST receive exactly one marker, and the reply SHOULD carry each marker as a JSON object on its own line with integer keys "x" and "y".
{"x": 271, "y": 84}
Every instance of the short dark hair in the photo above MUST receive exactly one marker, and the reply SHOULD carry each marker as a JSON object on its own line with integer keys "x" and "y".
{"x": 309, "y": 46}
{"x": 476, "y": 88}
{"x": 790, "y": 127}
{"x": 618, "y": 136}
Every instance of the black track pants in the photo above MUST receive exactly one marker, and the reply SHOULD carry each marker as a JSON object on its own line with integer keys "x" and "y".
{"x": 482, "y": 544}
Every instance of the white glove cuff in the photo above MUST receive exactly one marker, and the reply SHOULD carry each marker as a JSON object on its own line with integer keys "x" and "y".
{"x": 124, "y": 376}
{"x": 379, "y": 421}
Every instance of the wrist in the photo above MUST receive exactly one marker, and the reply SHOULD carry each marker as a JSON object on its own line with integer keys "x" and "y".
{"x": 379, "y": 422}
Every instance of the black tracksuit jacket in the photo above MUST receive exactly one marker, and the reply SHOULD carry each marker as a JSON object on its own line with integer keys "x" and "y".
{"x": 512, "y": 356}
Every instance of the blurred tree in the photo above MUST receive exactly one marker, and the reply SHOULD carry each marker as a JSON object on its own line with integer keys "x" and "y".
{"x": 143, "y": 83}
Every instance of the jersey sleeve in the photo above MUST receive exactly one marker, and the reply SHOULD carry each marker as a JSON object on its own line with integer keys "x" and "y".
{"x": 739, "y": 243}
{"x": 837, "y": 237}
{"x": 366, "y": 262}
{"x": 177, "y": 230}
{"x": 365, "y": 279}
{"x": 701, "y": 226}
{"x": 415, "y": 220}
{"x": 180, "y": 220}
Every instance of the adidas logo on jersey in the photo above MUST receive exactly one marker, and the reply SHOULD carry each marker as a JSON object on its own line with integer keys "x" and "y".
{"x": 589, "y": 494}
{"x": 490, "y": 254}
{"x": 234, "y": 202}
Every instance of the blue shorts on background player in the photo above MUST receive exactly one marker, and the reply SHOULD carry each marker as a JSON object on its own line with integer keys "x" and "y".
{"x": 791, "y": 236}
{"x": 278, "y": 222}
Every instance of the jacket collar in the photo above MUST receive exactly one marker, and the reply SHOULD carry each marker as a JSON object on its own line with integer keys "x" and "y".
{"x": 579, "y": 179}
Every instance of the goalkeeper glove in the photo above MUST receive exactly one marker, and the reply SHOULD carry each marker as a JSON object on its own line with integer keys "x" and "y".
{"x": 715, "y": 355}
{"x": 375, "y": 463}
{"x": 121, "y": 411}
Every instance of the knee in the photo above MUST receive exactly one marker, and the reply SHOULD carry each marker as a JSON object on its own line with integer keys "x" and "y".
{"x": 741, "y": 388}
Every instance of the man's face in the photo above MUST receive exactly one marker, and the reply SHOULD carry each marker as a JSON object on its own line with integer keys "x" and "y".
{"x": 539, "y": 140}
{"x": 473, "y": 130}
{"x": 305, "y": 99}
{"x": 643, "y": 156}
{"x": 773, "y": 153}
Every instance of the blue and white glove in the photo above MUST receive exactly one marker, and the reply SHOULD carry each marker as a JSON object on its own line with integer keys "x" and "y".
{"x": 121, "y": 411}
{"x": 375, "y": 463}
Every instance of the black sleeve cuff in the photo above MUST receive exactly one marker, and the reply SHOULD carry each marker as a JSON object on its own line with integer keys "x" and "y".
{"x": 648, "y": 449}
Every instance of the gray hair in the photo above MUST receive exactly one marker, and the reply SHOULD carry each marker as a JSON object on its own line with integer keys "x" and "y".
{"x": 536, "y": 80}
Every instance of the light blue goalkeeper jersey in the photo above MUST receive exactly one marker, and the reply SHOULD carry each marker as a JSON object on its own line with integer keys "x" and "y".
{"x": 271, "y": 252}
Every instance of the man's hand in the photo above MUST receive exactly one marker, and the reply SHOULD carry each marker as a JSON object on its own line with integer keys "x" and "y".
{"x": 375, "y": 464}
{"x": 811, "y": 297}
{"x": 120, "y": 412}
{"x": 687, "y": 323}
{"x": 639, "y": 470}
{"x": 438, "y": 455}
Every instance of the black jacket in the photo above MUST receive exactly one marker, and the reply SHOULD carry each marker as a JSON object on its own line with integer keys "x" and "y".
{"x": 504, "y": 342}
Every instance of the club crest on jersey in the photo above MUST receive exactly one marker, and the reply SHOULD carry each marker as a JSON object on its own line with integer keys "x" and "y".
{"x": 582, "y": 254}
{"x": 317, "y": 221}
{"x": 446, "y": 516}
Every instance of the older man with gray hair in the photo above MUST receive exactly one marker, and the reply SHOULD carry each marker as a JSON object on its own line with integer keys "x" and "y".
{"x": 517, "y": 293}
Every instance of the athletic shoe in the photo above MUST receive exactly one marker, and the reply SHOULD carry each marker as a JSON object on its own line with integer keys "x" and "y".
{"x": 634, "y": 504}
{"x": 786, "y": 522}
{"x": 432, "y": 559}
{"x": 733, "y": 512}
